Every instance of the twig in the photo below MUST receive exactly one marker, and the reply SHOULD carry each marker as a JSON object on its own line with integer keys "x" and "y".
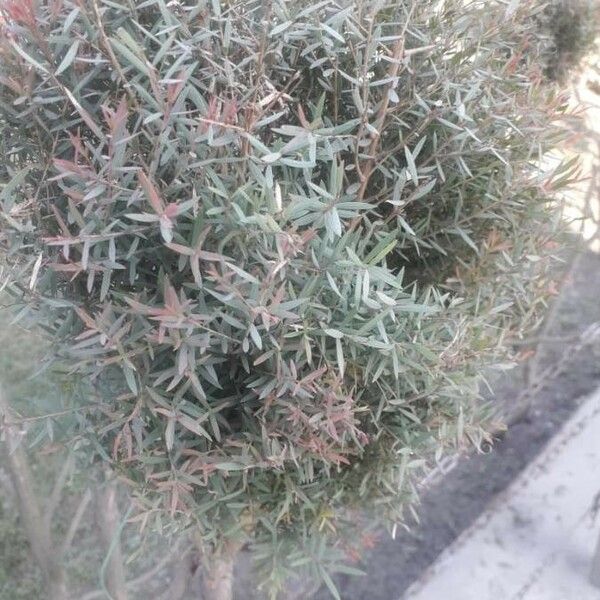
{"x": 147, "y": 575}
{"x": 393, "y": 72}
{"x": 38, "y": 535}
{"x": 161, "y": 564}
{"x": 55, "y": 496}
{"x": 221, "y": 124}
{"x": 110, "y": 525}
{"x": 523, "y": 400}
{"x": 113, "y": 59}
{"x": 75, "y": 522}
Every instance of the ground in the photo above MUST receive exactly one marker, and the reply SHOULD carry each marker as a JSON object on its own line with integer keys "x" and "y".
{"x": 536, "y": 540}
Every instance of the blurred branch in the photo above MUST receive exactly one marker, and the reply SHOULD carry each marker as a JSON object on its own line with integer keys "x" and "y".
{"x": 179, "y": 583}
{"x": 147, "y": 575}
{"x": 109, "y": 525}
{"x": 55, "y": 496}
{"x": 36, "y": 529}
{"x": 75, "y": 522}
{"x": 160, "y": 565}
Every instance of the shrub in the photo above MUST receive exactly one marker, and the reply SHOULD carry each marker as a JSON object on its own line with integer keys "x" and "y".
{"x": 571, "y": 27}
{"x": 282, "y": 241}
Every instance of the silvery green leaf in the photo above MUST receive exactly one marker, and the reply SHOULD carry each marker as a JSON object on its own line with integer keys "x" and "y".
{"x": 69, "y": 57}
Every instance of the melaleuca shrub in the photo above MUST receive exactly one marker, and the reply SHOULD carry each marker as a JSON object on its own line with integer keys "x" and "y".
{"x": 281, "y": 241}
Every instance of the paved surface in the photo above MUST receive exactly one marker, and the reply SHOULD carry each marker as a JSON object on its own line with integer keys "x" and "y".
{"x": 536, "y": 541}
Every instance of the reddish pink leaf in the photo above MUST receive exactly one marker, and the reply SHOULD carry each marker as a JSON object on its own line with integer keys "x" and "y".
{"x": 151, "y": 193}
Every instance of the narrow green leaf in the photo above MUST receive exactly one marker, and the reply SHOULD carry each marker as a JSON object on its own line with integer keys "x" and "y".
{"x": 329, "y": 582}
{"x": 340, "y": 356}
{"x": 334, "y": 333}
{"x": 69, "y": 57}
{"x": 412, "y": 167}
{"x": 130, "y": 378}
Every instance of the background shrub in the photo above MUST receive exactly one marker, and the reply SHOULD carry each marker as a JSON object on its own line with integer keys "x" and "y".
{"x": 282, "y": 242}
{"x": 571, "y": 27}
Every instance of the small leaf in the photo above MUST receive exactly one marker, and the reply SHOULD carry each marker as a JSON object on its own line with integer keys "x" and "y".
{"x": 170, "y": 434}
{"x": 463, "y": 234}
{"x": 333, "y": 285}
{"x": 333, "y": 33}
{"x": 334, "y": 333}
{"x": 130, "y": 57}
{"x": 143, "y": 217}
{"x": 423, "y": 190}
{"x": 256, "y": 337}
{"x": 130, "y": 378}
{"x": 279, "y": 28}
{"x": 36, "y": 270}
{"x": 229, "y": 466}
{"x": 193, "y": 425}
{"x": 166, "y": 229}
{"x": 340, "y": 356}
{"x": 181, "y": 249}
{"x": 151, "y": 193}
{"x": 69, "y": 57}
{"x": 412, "y": 167}
{"x": 271, "y": 157}
{"x": 329, "y": 583}
{"x": 405, "y": 225}
{"x": 70, "y": 19}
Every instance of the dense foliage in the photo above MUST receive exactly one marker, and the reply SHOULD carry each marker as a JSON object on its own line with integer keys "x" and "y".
{"x": 571, "y": 26}
{"x": 281, "y": 240}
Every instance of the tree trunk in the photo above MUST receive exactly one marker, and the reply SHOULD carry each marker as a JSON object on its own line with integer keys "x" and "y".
{"x": 217, "y": 573}
{"x": 108, "y": 525}
{"x": 182, "y": 574}
{"x": 37, "y": 531}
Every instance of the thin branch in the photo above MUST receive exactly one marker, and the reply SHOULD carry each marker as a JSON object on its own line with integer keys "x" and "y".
{"x": 38, "y": 534}
{"x": 147, "y": 575}
{"x": 57, "y": 490}
{"x": 75, "y": 522}
{"x": 161, "y": 564}
{"x": 393, "y": 72}
{"x": 179, "y": 583}
{"x": 110, "y": 526}
{"x": 223, "y": 125}
{"x": 113, "y": 59}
